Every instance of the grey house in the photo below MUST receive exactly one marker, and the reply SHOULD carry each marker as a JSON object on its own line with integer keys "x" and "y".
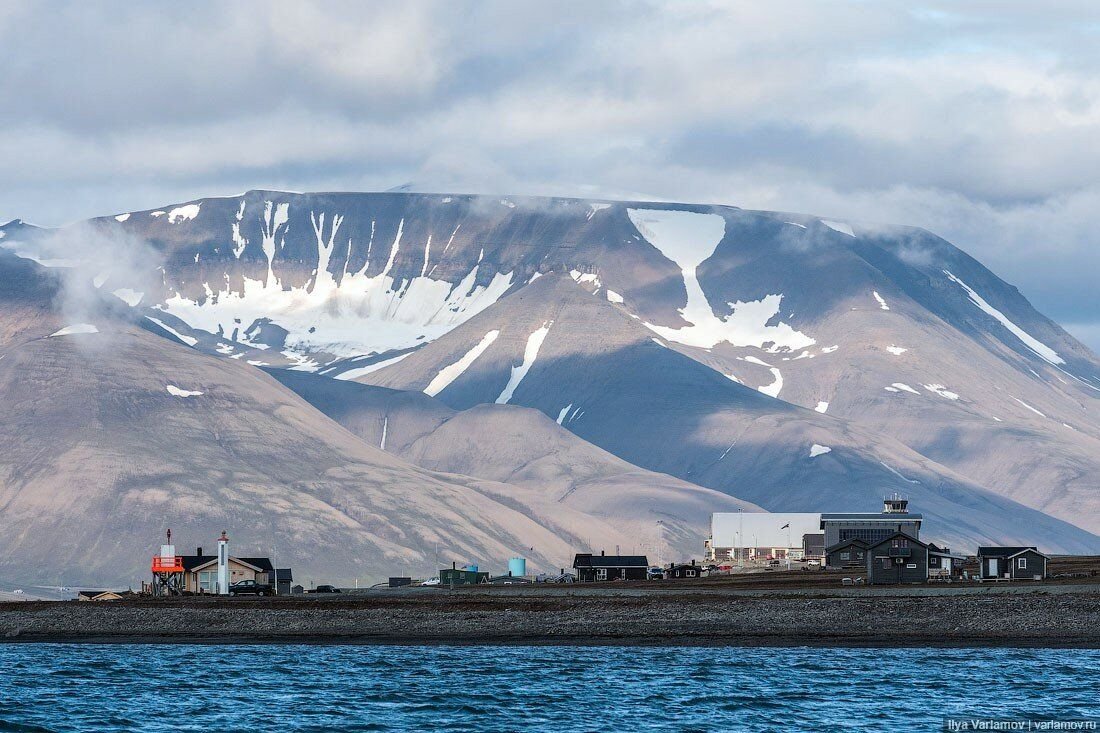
{"x": 847, "y": 554}
{"x": 871, "y": 527}
{"x": 942, "y": 563}
{"x": 1017, "y": 563}
{"x": 897, "y": 559}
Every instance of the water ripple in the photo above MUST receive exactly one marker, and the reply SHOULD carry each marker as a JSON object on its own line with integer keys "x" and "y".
{"x": 60, "y": 687}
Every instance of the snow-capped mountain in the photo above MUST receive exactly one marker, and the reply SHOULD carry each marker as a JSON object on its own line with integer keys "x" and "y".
{"x": 797, "y": 362}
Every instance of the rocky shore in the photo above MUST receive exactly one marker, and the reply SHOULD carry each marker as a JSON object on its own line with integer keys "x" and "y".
{"x": 1042, "y": 615}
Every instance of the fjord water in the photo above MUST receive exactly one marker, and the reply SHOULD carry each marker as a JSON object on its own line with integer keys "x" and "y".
{"x": 139, "y": 687}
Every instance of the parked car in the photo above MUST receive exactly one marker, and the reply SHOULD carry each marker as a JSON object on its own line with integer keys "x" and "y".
{"x": 813, "y": 563}
{"x": 431, "y": 581}
{"x": 250, "y": 588}
{"x": 324, "y": 589}
{"x": 655, "y": 574}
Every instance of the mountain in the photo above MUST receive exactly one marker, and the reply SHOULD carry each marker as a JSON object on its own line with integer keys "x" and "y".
{"x": 522, "y": 447}
{"x": 724, "y": 347}
{"x": 113, "y": 434}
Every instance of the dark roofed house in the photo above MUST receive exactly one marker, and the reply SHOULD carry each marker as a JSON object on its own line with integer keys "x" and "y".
{"x": 601, "y": 567}
{"x": 200, "y": 572}
{"x": 103, "y": 595}
{"x": 684, "y": 570}
{"x": 898, "y": 558}
{"x": 1011, "y": 562}
{"x": 942, "y": 563}
{"x": 847, "y": 554}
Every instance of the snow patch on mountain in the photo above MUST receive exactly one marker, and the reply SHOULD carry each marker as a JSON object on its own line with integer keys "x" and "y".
{"x": 453, "y": 371}
{"x": 128, "y": 296}
{"x": 530, "y": 353}
{"x": 839, "y": 226}
{"x": 360, "y": 371}
{"x": 183, "y": 213}
{"x": 185, "y": 339}
{"x": 904, "y": 388}
{"x": 122, "y": 217}
{"x": 881, "y": 301}
{"x": 1041, "y": 349}
{"x": 688, "y": 238}
{"x": 941, "y": 390}
{"x": 896, "y": 350}
{"x": 1040, "y": 414}
{"x": 614, "y": 297}
{"x": 822, "y": 407}
{"x": 177, "y": 392}
{"x": 819, "y": 450}
{"x": 361, "y": 315}
{"x": 76, "y": 328}
{"x": 564, "y": 411}
{"x": 773, "y": 389}
{"x": 594, "y": 208}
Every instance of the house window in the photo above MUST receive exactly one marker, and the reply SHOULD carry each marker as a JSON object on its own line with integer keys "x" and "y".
{"x": 899, "y": 543}
{"x": 934, "y": 562}
{"x": 859, "y": 554}
{"x": 1021, "y": 563}
{"x": 911, "y": 565}
{"x": 601, "y": 573}
{"x": 885, "y": 563}
{"x": 690, "y": 574}
{"x": 845, "y": 555}
{"x": 208, "y": 581}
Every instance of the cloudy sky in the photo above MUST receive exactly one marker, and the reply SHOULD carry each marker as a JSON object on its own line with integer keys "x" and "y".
{"x": 978, "y": 120}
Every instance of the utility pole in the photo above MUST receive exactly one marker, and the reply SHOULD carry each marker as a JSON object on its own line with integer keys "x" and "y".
{"x": 741, "y": 538}
{"x": 275, "y": 568}
{"x": 660, "y": 540}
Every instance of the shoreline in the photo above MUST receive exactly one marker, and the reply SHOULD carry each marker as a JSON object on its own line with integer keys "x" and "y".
{"x": 1064, "y": 616}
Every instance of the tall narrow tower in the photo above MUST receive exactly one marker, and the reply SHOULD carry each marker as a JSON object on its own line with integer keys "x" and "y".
{"x": 223, "y": 564}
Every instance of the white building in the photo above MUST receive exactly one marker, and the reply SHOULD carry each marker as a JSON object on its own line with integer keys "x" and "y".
{"x": 759, "y": 535}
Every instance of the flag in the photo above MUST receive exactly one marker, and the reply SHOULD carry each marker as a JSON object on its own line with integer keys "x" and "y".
{"x": 788, "y": 524}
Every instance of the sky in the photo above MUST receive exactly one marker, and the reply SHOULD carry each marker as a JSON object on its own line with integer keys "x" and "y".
{"x": 979, "y": 121}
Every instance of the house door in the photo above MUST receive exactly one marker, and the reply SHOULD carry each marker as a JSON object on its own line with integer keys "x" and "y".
{"x": 993, "y": 569}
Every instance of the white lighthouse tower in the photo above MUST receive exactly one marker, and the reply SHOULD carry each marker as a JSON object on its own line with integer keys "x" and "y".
{"x": 223, "y": 564}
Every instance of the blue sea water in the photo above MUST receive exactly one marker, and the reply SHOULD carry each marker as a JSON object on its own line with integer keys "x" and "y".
{"x": 142, "y": 687}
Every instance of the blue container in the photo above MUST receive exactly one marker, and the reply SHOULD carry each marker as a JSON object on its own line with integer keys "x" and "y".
{"x": 517, "y": 567}
{"x": 471, "y": 568}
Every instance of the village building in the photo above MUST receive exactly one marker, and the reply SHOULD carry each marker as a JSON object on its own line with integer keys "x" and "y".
{"x": 200, "y": 572}
{"x": 942, "y": 563}
{"x": 896, "y": 559}
{"x": 102, "y": 595}
{"x": 684, "y": 570}
{"x": 470, "y": 575}
{"x": 594, "y": 568}
{"x": 1014, "y": 563}
{"x": 847, "y": 555}
{"x": 871, "y": 527}
{"x": 758, "y": 535}
{"x": 813, "y": 546}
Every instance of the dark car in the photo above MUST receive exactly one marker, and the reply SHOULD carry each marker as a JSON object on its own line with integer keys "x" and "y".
{"x": 324, "y": 589}
{"x": 250, "y": 588}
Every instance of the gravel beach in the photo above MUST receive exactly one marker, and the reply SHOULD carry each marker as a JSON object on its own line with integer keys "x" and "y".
{"x": 1039, "y": 615}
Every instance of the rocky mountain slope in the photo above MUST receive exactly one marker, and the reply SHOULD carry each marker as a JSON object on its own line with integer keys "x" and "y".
{"x": 113, "y": 433}
{"x": 796, "y": 362}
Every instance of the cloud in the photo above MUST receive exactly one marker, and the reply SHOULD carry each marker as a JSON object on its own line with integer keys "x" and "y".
{"x": 978, "y": 122}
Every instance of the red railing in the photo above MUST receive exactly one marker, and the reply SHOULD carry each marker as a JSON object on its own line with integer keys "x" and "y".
{"x": 167, "y": 564}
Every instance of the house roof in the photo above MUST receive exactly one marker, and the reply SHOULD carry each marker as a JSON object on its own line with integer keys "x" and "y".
{"x": 897, "y": 535}
{"x": 194, "y": 562}
{"x": 586, "y": 560}
{"x": 871, "y": 517}
{"x": 856, "y": 542}
{"x": 1006, "y": 551}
